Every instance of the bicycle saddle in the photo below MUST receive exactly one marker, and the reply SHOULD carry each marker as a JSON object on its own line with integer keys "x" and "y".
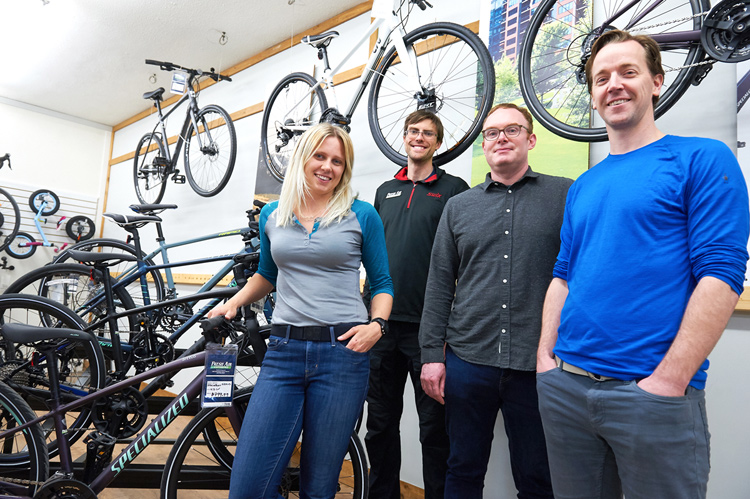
{"x": 111, "y": 258}
{"x": 154, "y": 94}
{"x": 321, "y": 40}
{"x": 151, "y": 209}
{"x": 126, "y": 220}
{"x": 22, "y": 333}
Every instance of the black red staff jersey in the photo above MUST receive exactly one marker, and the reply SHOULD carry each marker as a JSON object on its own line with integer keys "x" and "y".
{"x": 410, "y": 212}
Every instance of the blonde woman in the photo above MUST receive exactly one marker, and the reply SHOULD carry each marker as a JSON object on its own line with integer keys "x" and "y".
{"x": 315, "y": 374}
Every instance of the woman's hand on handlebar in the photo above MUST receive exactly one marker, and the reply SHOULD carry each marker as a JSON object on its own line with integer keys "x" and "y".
{"x": 225, "y": 309}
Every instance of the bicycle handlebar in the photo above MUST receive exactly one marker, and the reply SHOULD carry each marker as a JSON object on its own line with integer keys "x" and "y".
{"x": 5, "y": 158}
{"x": 170, "y": 66}
{"x": 422, "y": 4}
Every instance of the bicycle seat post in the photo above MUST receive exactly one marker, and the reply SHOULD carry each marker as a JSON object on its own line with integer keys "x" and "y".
{"x": 103, "y": 270}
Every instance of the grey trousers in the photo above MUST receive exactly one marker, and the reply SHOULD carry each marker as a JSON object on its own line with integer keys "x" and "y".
{"x": 606, "y": 438}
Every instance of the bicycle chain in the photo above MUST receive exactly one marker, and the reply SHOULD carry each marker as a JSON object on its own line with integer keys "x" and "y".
{"x": 20, "y": 481}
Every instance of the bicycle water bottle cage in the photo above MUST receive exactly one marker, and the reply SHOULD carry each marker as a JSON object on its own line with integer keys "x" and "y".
{"x": 160, "y": 161}
{"x": 155, "y": 95}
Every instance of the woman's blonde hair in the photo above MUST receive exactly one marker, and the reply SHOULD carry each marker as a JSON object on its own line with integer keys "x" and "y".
{"x": 294, "y": 190}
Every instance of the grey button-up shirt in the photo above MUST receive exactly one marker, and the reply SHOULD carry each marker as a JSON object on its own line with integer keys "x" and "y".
{"x": 491, "y": 265}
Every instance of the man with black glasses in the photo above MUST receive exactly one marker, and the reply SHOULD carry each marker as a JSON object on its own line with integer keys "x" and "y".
{"x": 491, "y": 264}
{"x": 410, "y": 206}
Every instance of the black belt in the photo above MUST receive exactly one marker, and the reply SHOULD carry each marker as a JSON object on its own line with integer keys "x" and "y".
{"x": 311, "y": 333}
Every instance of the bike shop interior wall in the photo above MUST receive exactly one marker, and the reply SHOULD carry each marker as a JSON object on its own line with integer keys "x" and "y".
{"x": 706, "y": 111}
{"x": 53, "y": 151}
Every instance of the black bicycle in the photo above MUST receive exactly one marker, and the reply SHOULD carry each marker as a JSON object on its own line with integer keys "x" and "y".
{"x": 207, "y": 133}
{"x": 692, "y": 37}
{"x": 10, "y": 215}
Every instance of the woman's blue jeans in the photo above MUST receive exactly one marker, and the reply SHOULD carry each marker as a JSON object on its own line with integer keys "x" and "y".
{"x": 316, "y": 388}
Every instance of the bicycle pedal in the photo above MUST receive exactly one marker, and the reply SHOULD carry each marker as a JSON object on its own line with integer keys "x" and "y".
{"x": 160, "y": 161}
{"x": 178, "y": 179}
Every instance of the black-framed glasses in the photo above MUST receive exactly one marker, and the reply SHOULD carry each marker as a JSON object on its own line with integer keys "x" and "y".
{"x": 514, "y": 130}
{"x": 414, "y": 132}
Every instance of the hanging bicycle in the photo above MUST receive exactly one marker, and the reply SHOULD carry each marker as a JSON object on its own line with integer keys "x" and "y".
{"x": 692, "y": 37}
{"x": 10, "y": 215}
{"x": 443, "y": 67}
{"x": 207, "y": 133}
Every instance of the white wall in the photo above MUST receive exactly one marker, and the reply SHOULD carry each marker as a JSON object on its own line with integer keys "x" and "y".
{"x": 50, "y": 151}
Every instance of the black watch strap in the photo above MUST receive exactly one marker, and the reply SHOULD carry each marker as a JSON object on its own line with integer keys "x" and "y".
{"x": 383, "y": 324}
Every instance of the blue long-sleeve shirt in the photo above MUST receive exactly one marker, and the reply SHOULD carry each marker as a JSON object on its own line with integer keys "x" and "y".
{"x": 640, "y": 230}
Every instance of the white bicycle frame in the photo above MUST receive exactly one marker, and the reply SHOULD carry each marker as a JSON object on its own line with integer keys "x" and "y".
{"x": 385, "y": 15}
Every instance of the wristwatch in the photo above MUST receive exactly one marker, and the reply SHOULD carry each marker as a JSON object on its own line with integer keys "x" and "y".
{"x": 383, "y": 324}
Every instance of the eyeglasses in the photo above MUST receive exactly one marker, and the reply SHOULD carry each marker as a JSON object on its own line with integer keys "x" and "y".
{"x": 493, "y": 134}
{"x": 413, "y": 132}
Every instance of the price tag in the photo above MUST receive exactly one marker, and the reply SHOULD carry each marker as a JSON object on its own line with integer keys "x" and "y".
{"x": 218, "y": 385}
{"x": 179, "y": 83}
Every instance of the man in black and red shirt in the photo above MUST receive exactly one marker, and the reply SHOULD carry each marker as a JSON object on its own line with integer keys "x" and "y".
{"x": 410, "y": 206}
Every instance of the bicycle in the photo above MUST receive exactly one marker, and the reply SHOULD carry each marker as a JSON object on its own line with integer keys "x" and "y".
{"x": 442, "y": 67}
{"x": 201, "y": 457}
{"x": 45, "y": 203}
{"x": 207, "y": 133}
{"x": 10, "y": 215}
{"x": 560, "y": 35}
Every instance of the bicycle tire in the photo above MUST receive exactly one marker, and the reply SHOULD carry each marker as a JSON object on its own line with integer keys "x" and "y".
{"x": 554, "y": 51}
{"x": 15, "y": 249}
{"x": 296, "y": 102}
{"x": 150, "y": 179}
{"x": 209, "y": 168}
{"x": 206, "y": 447}
{"x": 39, "y": 197}
{"x": 156, "y": 289}
{"x": 81, "y": 364}
{"x": 80, "y": 228}
{"x": 10, "y": 218}
{"x": 456, "y": 66}
{"x": 70, "y": 285}
{"x": 24, "y": 449}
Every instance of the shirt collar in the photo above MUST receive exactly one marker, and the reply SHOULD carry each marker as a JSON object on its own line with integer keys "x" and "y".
{"x": 403, "y": 175}
{"x": 488, "y": 182}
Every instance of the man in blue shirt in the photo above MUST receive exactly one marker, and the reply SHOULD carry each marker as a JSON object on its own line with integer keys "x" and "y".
{"x": 651, "y": 264}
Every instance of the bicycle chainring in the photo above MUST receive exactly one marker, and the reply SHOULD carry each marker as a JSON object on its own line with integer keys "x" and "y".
{"x": 67, "y": 488}
{"x": 725, "y": 34}
{"x": 160, "y": 352}
{"x": 173, "y": 317}
{"x": 121, "y": 414}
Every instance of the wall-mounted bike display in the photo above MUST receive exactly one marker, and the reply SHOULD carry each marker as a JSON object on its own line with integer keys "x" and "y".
{"x": 207, "y": 133}
{"x": 45, "y": 203}
{"x": 692, "y": 36}
{"x": 442, "y": 67}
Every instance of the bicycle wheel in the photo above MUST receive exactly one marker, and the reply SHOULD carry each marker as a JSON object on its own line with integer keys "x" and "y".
{"x": 71, "y": 285}
{"x": 203, "y": 454}
{"x": 10, "y": 218}
{"x": 556, "y": 48}
{"x": 122, "y": 271}
{"x": 150, "y": 169}
{"x": 81, "y": 363}
{"x": 24, "y": 449}
{"x": 457, "y": 79}
{"x": 38, "y": 198}
{"x": 295, "y": 104}
{"x": 210, "y": 154}
{"x": 80, "y": 228}
{"x": 21, "y": 246}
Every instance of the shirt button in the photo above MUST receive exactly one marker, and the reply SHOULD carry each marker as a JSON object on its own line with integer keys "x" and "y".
{"x": 507, "y": 210}
{"x": 505, "y": 256}
{"x": 509, "y": 191}
{"x": 507, "y": 232}
{"x": 505, "y": 306}
{"x": 502, "y": 331}
{"x": 505, "y": 281}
